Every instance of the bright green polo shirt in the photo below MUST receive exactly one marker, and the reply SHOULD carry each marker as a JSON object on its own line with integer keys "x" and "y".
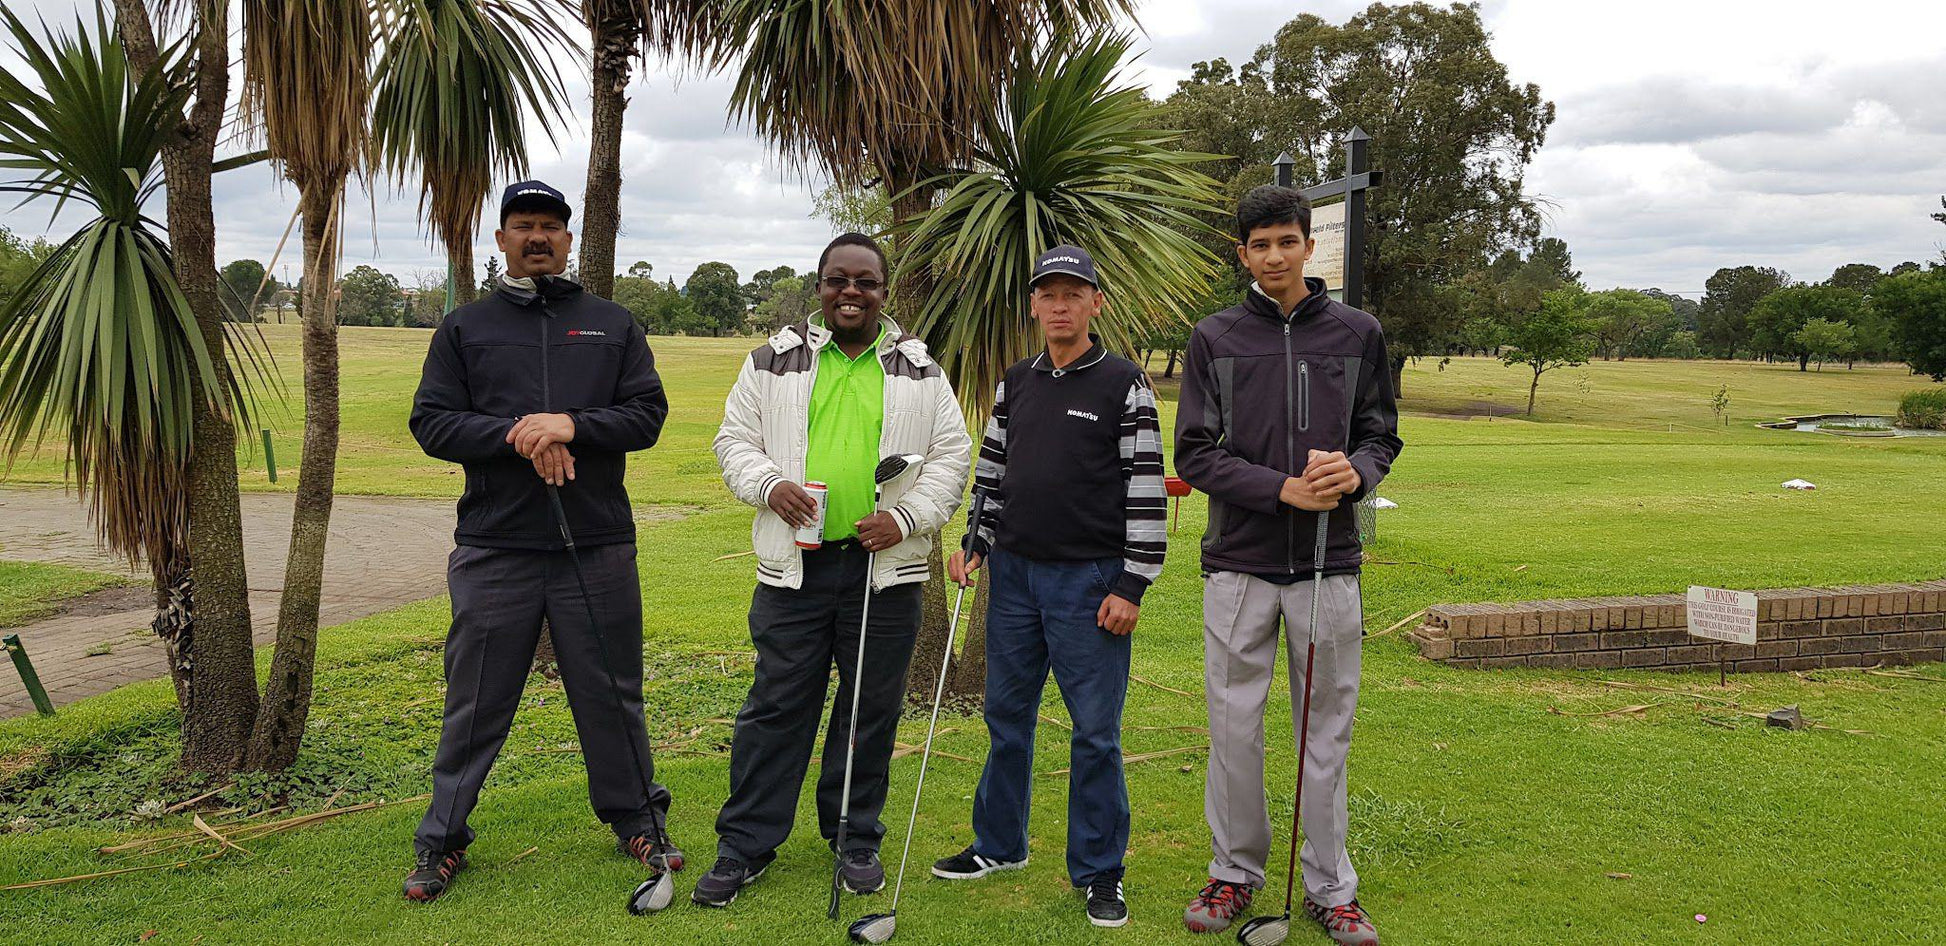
{"x": 847, "y": 416}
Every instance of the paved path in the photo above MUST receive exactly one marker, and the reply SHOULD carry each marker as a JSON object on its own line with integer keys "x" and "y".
{"x": 383, "y": 552}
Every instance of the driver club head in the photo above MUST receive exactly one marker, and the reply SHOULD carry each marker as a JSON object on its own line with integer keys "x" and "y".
{"x": 1265, "y": 931}
{"x": 654, "y": 894}
{"x": 875, "y": 928}
{"x": 895, "y": 466}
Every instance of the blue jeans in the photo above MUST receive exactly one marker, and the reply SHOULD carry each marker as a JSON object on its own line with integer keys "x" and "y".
{"x": 1042, "y": 614}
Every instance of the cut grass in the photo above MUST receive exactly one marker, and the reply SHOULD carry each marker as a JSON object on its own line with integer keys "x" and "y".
{"x": 1477, "y": 814}
{"x": 30, "y": 591}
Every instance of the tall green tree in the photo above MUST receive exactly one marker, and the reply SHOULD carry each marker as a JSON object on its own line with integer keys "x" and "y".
{"x": 1914, "y": 303}
{"x": 242, "y": 280}
{"x": 717, "y": 296}
{"x": 1858, "y": 277}
{"x": 1451, "y": 131}
{"x": 1621, "y": 317}
{"x": 453, "y": 89}
{"x": 1777, "y": 320}
{"x": 1729, "y": 294}
{"x": 1824, "y": 340}
{"x": 369, "y": 297}
{"x": 1560, "y": 335}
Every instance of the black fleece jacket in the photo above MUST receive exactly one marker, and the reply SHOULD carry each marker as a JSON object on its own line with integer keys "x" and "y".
{"x": 1260, "y": 390}
{"x": 553, "y": 349}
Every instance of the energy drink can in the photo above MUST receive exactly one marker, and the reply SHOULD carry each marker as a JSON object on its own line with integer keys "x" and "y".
{"x": 812, "y": 536}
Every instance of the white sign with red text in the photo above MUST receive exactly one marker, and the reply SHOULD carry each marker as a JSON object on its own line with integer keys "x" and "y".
{"x": 1722, "y": 615}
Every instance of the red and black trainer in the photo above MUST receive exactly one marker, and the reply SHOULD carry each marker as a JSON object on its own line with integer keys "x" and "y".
{"x": 433, "y": 873}
{"x": 654, "y": 851}
{"x": 1347, "y": 923}
{"x": 1220, "y": 903}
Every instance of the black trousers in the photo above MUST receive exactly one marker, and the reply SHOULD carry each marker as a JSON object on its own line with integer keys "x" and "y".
{"x": 500, "y": 597}
{"x": 799, "y": 636}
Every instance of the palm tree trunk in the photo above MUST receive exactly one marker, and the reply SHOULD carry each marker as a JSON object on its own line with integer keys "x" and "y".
{"x": 459, "y": 270}
{"x": 211, "y": 660}
{"x": 287, "y": 694}
{"x": 613, "y": 34}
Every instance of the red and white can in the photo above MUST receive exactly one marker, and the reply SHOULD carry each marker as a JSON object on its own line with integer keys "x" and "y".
{"x": 812, "y": 536}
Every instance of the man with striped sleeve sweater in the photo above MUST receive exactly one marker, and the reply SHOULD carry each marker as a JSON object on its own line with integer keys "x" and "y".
{"x": 1073, "y": 528}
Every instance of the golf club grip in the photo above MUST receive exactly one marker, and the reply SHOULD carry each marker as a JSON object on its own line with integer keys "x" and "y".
{"x": 973, "y": 526}
{"x": 1324, "y": 539}
{"x": 560, "y": 515}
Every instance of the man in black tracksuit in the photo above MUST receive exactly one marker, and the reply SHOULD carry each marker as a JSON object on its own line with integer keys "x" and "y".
{"x": 1286, "y": 414}
{"x": 541, "y": 386}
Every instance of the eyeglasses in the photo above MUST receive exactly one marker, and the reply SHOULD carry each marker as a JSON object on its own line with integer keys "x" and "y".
{"x": 842, "y": 283}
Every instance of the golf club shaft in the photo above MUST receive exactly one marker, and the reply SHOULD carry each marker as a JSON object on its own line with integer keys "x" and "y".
{"x": 925, "y": 756}
{"x": 851, "y": 740}
{"x": 601, "y": 647}
{"x": 1304, "y": 716}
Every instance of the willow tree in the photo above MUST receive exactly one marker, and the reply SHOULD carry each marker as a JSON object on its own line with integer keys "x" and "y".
{"x": 307, "y": 89}
{"x": 454, "y": 86}
{"x": 1070, "y": 153}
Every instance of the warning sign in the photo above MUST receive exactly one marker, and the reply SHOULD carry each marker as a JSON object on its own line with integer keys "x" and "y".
{"x": 1720, "y": 615}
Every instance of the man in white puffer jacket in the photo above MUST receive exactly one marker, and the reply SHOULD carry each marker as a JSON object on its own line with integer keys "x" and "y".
{"x": 825, "y": 400}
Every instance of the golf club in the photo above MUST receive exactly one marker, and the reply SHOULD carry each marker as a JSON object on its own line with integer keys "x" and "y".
{"x": 656, "y": 892}
{"x": 1272, "y": 930}
{"x": 879, "y": 927}
{"x": 889, "y": 469}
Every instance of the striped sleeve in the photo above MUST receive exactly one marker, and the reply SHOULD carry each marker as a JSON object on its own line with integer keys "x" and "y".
{"x": 1147, "y": 505}
{"x": 987, "y": 474}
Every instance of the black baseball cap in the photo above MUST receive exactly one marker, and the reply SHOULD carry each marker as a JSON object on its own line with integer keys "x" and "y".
{"x": 533, "y": 195}
{"x": 1066, "y": 260}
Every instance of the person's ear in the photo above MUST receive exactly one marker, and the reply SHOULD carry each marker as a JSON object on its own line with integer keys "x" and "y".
{"x": 1243, "y": 255}
{"x": 500, "y": 240}
{"x": 1310, "y": 246}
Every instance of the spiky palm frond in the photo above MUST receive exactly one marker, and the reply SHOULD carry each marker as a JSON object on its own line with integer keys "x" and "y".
{"x": 307, "y": 84}
{"x": 456, "y": 83}
{"x": 856, "y": 86}
{"x": 100, "y": 343}
{"x": 1072, "y": 154}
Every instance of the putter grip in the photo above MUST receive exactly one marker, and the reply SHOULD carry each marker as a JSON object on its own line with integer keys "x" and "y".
{"x": 973, "y": 527}
{"x": 1324, "y": 538}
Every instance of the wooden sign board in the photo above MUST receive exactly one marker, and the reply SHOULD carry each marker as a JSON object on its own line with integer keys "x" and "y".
{"x": 1721, "y": 615}
{"x": 1328, "y": 259}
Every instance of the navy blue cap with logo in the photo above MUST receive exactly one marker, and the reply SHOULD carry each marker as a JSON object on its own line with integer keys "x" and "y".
{"x": 1066, "y": 260}
{"x": 533, "y": 195}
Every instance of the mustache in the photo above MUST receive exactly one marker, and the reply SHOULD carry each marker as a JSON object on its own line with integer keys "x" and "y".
{"x": 537, "y": 248}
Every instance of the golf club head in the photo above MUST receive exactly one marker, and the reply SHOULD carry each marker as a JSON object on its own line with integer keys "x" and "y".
{"x": 831, "y": 912}
{"x": 654, "y": 894}
{"x": 876, "y": 928}
{"x": 1265, "y": 931}
{"x": 895, "y": 466}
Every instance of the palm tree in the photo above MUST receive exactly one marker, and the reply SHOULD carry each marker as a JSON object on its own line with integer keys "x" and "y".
{"x": 455, "y": 84}
{"x": 306, "y": 73}
{"x": 1070, "y": 154}
{"x": 100, "y": 342}
{"x": 885, "y": 91}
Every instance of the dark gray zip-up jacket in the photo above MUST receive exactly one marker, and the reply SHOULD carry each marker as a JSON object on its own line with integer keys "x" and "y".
{"x": 1259, "y": 392}
{"x": 553, "y": 349}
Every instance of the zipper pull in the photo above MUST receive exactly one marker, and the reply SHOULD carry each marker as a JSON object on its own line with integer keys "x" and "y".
{"x": 1287, "y": 329}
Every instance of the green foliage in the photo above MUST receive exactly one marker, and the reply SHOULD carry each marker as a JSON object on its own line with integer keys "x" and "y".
{"x": 1730, "y": 294}
{"x": 789, "y": 299}
{"x": 18, "y": 260}
{"x": 1924, "y": 409}
{"x": 98, "y": 342}
{"x": 1777, "y": 318}
{"x": 1914, "y": 305}
{"x": 240, "y": 282}
{"x": 1072, "y": 157}
{"x": 1824, "y": 340}
{"x": 1681, "y": 345}
{"x": 716, "y": 297}
{"x": 369, "y": 297}
{"x": 1560, "y": 335}
{"x": 1621, "y": 318}
{"x": 492, "y": 281}
{"x": 1858, "y": 277}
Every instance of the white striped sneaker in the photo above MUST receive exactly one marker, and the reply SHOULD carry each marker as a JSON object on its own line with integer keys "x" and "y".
{"x": 969, "y": 865}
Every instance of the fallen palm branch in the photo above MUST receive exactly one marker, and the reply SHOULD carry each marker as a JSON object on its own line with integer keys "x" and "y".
{"x": 54, "y": 881}
{"x": 221, "y": 841}
{"x": 206, "y": 796}
{"x": 1813, "y": 725}
{"x": 1618, "y": 711}
{"x": 1401, "y": 623}
{"x": 1167, "y": 689}
{"x": 1049, "y": 719}
{"x": 903, "y": 749}
{"x": 1131, "y": 759}
{"x": 1906, "y": 675}
{"x": 1691, "y": 694}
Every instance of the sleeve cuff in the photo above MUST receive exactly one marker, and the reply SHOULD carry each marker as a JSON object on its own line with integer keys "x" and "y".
{"x": 1367, "y": 478}
{"x": 1130, "y": 586}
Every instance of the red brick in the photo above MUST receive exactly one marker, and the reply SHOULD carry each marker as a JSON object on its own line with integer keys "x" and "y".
{"x": 1735, "y": 651}
{"x": 1913, "y": 656}
{"x": 1649, "y": 657}
{"x": 1692, "y": 653}
{"x": 1818, "y": 645}
{"x": 1784, "y": 648}
{"x": 1552, "y": 661}
{"x": 1619, "y": 640}
{"x": 1926, "y": 622}
{"x": 1476, "y": 647}
{"x": 1770, "y": 630}
{"x": 1905, "y": 641}
{"x": 1859, "y": 644}
{"x": 1539, "y": 644}
{"x": 1800, "y": 663}
{"x": 1935, "y": 639}
{"x": 1564, "y": 643}
{"x": 1496, "y": 625}
{"x": 1498, "y": 663}
{"x": 1669, "y": 638}
{"x": 1430, "y": 647}
{"x": 1844, "y": 660}
{"x": 1797, "y": 629}
{"x": 1760, "y": 665}
{"x": 1844, "y": 627}
{"x": 1598, "y": 660}
{"x": 1827, "y": 607}
{"x": 1870, "y": 604}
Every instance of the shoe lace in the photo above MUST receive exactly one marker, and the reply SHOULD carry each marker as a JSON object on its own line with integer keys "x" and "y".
{"x": 860, "y": 857}
{"x": 1105, "y": 886}
{"x": 441, "y": 861}
{"x": 1221, "y": 896}
{"x": 1347, "y": 915}
{"x": 727, "y": 865}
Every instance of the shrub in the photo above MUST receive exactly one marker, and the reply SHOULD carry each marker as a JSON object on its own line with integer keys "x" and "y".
{"x": 1924, "y": 409}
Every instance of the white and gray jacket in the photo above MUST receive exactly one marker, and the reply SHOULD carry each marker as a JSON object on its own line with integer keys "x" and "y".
{"x": 766, "y": 431}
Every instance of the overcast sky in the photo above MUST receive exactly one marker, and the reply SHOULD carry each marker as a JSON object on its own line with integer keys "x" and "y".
{"x": 1691, "y": 135}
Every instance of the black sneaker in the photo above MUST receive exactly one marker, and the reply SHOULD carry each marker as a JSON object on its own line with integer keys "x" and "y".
{"x": 723, "y": 882}
{"x": 861, "y": 872}
{"x": 433, "y": 873}
{"x": 1105, "y": 904}
{"x": 654, "y": 851}
{"x": 971, "y": 865}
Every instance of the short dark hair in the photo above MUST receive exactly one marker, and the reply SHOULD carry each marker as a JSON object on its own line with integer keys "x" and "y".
{"x": 1271, "y": 206}
{"x": 855, "y": 239}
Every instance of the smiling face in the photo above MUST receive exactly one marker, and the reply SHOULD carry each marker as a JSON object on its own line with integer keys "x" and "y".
{"x": 1065, "y": 306}
{"x": 536, "y": 243}
{"x": 1275, "y": 255}
{"x": 851, "y": 311}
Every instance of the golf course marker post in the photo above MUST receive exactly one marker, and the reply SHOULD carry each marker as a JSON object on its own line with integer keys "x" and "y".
{"x": 1729, "y": 617}
{"x": 28, "y": 678}
{"x": 270, "y": 456}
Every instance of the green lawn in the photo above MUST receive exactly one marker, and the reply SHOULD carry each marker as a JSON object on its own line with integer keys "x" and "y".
{"x": 32, "y": 590}
{"x": 1478, "y": 815}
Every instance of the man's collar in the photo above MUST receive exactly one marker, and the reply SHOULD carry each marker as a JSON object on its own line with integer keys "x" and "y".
{"x": 1263, "y": 301}
{"x": 1088, "y": 359}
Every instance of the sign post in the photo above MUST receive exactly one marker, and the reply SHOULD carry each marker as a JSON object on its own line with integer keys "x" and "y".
{"x": 1339, "y": 228}
{"x": 1729, "y": 617}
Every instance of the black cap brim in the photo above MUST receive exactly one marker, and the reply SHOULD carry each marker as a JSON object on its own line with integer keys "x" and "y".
{"x": 529, "y": 203}
{"x": 1084, "y": 277}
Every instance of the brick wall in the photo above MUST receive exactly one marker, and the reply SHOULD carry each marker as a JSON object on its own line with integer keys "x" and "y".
{"x": 1797, "y": 629}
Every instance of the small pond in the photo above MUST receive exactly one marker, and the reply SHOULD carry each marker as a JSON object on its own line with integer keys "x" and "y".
{"x": 1880, "y": 426}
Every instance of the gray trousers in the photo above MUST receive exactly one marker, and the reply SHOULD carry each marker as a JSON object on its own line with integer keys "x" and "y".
{"x": 500, "y": 597}
{"x": 1240, "y": 620}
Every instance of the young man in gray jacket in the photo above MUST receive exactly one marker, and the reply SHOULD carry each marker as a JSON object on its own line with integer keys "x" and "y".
{"x": 1286, "y": 414}
{"x": 824, "y": 401}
